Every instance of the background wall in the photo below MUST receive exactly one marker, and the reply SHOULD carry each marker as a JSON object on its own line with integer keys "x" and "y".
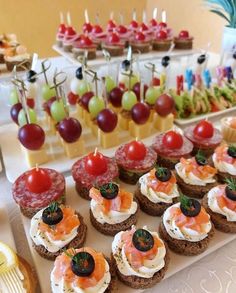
{"x": 36, "y": 21}
{"x": 192, "y": 15}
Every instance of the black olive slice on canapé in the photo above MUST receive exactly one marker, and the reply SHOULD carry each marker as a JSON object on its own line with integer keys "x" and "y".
{"x": 82, "y": 264}
{"x": 163, "y": 174}
{"x": 201, "y": 159}
{"x": 189, "y": 207}
{"x": 232, "y": 151}
{"x": 109, "y": 190}
{"x": 143, "y": 240}
{"x": 230, "y": 189}
{"x": 53, "y": 214}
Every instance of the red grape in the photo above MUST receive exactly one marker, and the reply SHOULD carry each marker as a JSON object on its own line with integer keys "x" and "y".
{"x": 47, "y": 105}
{"x": 136, "y": 89}
{"x": 164, "y": 105}
{"x": 115, "y": 96}
{"x": 30, "y": 102}
{"x": 70, "y": 129}
{"x": 140, "y": 113}
{"x": 136, "y": 150}
{"x": 155, "y": 81}
{"x": 15, "y": 109}
{"x": 204, "y": 129}
{"x": 31, "y": 136}
{"x": 107, "y": 120}
{"x": 85, "y": 99}
{"x": 95, "y": 164}
{"x": 72, "y": 98}
{"x": 38, "y": 180}
{"x": 173, "y": 140}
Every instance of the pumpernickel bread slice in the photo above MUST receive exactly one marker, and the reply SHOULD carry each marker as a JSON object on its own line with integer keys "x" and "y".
{"x": 139, "y": 282}
{"x": 185, "y": 247}
{"x": 222, "y": 176}
{"x": 77, "y": 242}
{"x": 220, "y": 222}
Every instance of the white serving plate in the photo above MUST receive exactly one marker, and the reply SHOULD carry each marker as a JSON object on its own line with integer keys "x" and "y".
{"x": 103, "y": 243}
{"x": 15, "y": 162}
{"x": 185, "y": 122}
{"x": 100, "y": 60}
{"x": 6, "y": 235}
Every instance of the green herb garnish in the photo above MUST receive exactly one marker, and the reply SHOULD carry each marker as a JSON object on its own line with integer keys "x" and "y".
{"x": 109, "y": 187}
{"x": 160, "y": 171}
{"x": 186, "y": 202}
{"x": 200, "y": 157}
{"x": 231, "y": 182}
{"x": 53, "y": 207}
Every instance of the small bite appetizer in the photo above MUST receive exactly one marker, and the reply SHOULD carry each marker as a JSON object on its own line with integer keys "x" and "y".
{"x": 82, "y": 45}
{"x": 228, "y": 129}
{"x": 82, "y": 270}
{"x": 156, "y": 191}
{"x": 93, "y": 170}
{"x": 140, "y": 43}
{"x": 162, "y": 41}
{"x": 220, "y": 203}
{"x": 134, "y": 160}
{"x": 183, "y": 41}
{"x": 195, "y": 176}
{"x": 37, "y": 188}
{"x": 141, "y": 258}
{"x": 57, "y": 227}
{"x": 204, "y": 137}
{"x": 170, "y": 148}
{"x": 114, "y": 45}
{"x": 19, "y": 57}
{"x": 16, "y": 275}
{"x": 224, "y": 159}
{"x": 186, "y": 227}
{"x": 112, "y": 209}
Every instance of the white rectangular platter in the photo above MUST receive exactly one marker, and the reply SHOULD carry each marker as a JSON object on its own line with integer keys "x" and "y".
{"x": 103, "y": 243}
{"x": 6, "y": 235}
{"x": 15, "y": 163}
{"x": 100, "y": 60}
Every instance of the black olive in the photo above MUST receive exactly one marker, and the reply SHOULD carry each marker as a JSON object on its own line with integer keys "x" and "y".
{"x": 201, "y": 59}
{"x": 232, "y": 152}
{"x": 31, "y": 76}
{"x": 109, "y": 190}
{"x": 231, "y": 194}
{"x": 143, "y": 240}
{"x": 165, "y": 61}
{"x": 192, "y": 210}
{"x": 82, "y": 264}
{"x": 79, "y": 73}
{"x": 50, "y": 217}
{"x": 201, "y": 161}
{"x": 163, "y": 175}
{"x": 126, "y": 65}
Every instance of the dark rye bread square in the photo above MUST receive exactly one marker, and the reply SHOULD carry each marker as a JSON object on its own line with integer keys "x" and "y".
{"x": 185, "y": 247}
{"x": 220, "y": 222}
{"x": 132, "y": 176}
{"x": 77, "y": 242}
{"x": 136, "y": 282}
{"x": 222, "y": 176}
{"x": 150, "y": 208}
{"x": 112, "y": 286}
{"x": 112, "y": 230}
{"x": 195, "y": 191}
{"x": 167, "y": 162}
{"x": 207, "y": 151}
{"x": 82, "y": 191}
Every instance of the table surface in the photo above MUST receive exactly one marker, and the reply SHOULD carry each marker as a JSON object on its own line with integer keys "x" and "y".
{"x": 216, "y": 273}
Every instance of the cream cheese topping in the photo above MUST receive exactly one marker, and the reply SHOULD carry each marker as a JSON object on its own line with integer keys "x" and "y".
{"x": 224, "y": 167}
{"x": 20, "y": 57}
{"x": 183, "y": 233}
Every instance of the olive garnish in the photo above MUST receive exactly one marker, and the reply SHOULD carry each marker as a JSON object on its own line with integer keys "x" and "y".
{"x": 201, "y": 59}
{"x": 201, "y": 159}
{"x": 232, "y": 151}
{"x": 189, "y": 207}
{"x": 109, "y": 190}
{"x": 82, "y": 264}
{"x": 165, "y": 61}
{"x": 163, "y": 174}
{"x": 230, "y": 189}
{"x": 143, "y": 240}
{"x": 126, "y": 65}
{"x": 53, "y": 214}
{"x": 79, "y": 73}
{"x": 31, "y": 76}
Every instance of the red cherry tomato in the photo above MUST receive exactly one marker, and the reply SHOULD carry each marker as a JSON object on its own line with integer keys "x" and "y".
{"x": 184, "y": 34}
{"x": 134, "y": 24}
{"x": 162, "y": 35}
{"x": 153, "y": 22}
{"x": 204, "y": 129}
{"x": 136, "y": 150}
{"x": 144, "y": 27}
{"x": 140, "y": 36}
{"x": 113, "y": 38}
{"x": 95, "y": 164}
{"x": 38, "y": 180}
{"x": 30, "y": 102}
{"x": 172, "y": 140}
{"x": 156, "y": 81}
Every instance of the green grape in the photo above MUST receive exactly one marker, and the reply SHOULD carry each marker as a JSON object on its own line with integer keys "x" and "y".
{"x": 22, "y": 117}
{"x": 95, "y": 106}
{"x": 129, "y": 99}
{"x": 47, "y": 92}
{"x": 110, "y": 84}
{"x": 13, "y": 98}
{"x": 152, "y": 94}
{"x": 134, "y": 80}
{"x": 83, "y": 88}
{"x": 58, "y": 111}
